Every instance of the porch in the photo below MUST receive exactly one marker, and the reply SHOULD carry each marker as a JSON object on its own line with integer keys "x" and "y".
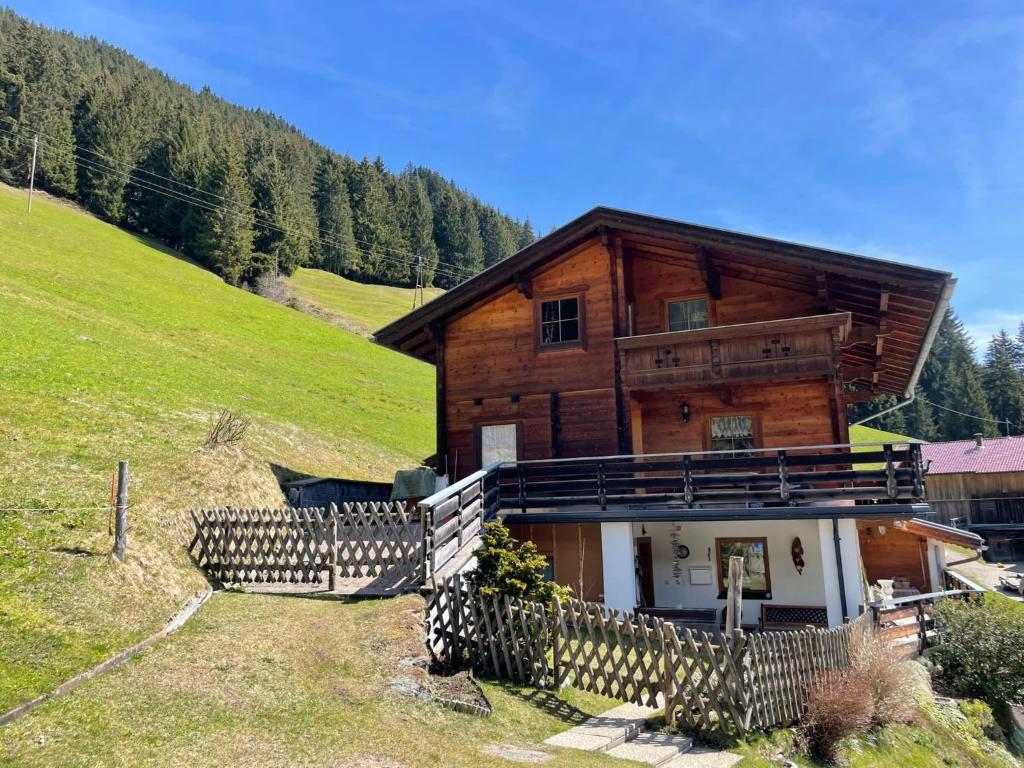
{"x": 795, "y": 508}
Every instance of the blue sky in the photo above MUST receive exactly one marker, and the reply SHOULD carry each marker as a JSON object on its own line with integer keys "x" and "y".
{"x": 893, "y": 129}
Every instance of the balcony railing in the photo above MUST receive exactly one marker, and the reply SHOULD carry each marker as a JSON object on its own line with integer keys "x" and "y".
{"x": 776, "y": 349}
{"x": 761, "y": 477}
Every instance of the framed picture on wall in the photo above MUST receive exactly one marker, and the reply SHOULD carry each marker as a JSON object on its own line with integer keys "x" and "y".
{"x": 757, "y": 579}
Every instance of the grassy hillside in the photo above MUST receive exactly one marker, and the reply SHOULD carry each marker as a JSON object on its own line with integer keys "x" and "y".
{"x": 308, "y": 684}
{"x": 112, "y": 347}
{"x": 358, "y": 307}
{"x": 865, "y": 434}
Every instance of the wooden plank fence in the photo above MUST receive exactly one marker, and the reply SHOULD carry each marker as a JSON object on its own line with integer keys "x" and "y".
{"x": 782, "y": 666}
{"x": 747, "y": 681}
{"x": 297, "y": 546}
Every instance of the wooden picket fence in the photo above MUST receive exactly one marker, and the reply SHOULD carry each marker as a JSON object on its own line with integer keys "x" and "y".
{"x": 298, "y": 546}
{"x": 747, "y": 681}
{"x": 501, "y": 636}
{"x": 782, "y": 666}
{"x": 261, "y": 546}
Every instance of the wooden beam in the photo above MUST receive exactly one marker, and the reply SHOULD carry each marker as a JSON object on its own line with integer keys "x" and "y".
{"x": 709, "y": 273}
{"x": 523, "y": 284}
{"x": 824, "y": 297}
{"x": 860, "y": 396}
{"x": 436, "y": 333}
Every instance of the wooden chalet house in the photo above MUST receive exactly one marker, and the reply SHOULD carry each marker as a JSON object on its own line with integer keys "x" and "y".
{"x": 643, "y": 397}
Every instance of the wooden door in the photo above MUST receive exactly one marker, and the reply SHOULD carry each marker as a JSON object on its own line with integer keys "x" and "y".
{"x": 645, "y": 571}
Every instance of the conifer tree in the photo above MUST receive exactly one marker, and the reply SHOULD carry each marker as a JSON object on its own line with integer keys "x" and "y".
{"x": 109, "y": 126}
{"x": 449, "y": 233}
{"x": 1004, "y": 384}
{"x": 419, "y": 225}
{"x": 224, "y": 239}
{"x": 526, "y": 234}
{"x": 337, "y": 246}
{"x": 498, "y": 238}
{"x": 372, "y": 222}
{"x": 951, "y": 382}
{"x": 919, "y": 418}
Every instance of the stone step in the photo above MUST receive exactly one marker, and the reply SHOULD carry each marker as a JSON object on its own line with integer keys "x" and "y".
{"x": 606, "y": 731}
{"x": 653, "y": 748}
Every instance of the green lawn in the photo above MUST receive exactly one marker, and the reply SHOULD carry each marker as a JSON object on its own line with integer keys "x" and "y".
{"x": 358, "y": 307}
{"x": 286, "y": 681}
{"x": 941, "y": 736}
{"x": 112, "y": 347}
{"x": 865, "y": 434}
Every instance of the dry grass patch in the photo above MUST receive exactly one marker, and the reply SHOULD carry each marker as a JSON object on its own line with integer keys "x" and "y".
{"x": 267, "y": 680}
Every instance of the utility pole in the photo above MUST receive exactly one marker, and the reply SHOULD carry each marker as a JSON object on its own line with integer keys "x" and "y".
{"x": 418, "y": 288}
{"x": 32, "y": 171}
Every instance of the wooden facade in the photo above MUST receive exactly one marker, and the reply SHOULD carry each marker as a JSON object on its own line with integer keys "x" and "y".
{"x": 790, "y": 330}
{"x": 989, "y": 503}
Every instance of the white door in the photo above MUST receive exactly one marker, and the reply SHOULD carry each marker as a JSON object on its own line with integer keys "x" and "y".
{"x": 498, "y": 442}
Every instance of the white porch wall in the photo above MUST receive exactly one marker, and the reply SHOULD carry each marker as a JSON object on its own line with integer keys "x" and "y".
{"x": 937, "y": 564}
{"x": 788, "y": 587}
{"x": 619, "y": 566}
{"x": 849, "y": 545}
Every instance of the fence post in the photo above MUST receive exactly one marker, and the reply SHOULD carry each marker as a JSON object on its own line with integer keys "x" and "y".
{"x": 734, "y": 601}
{"x": 121, "y": 515}
{"x": 332, "y": 548}
{"x": 666, "y": 632}
{"x": 556, "y": 647}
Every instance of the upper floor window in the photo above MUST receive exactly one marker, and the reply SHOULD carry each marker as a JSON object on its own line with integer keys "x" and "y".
{"x": 560, "y": 322}
{"x": 732, "y": 433}
{"x": 687, "y": 314}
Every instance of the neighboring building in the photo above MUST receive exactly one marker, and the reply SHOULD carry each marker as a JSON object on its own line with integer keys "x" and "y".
{"x": 324, "y": 491}
{"x": 978, "y": 485}
{"x": 647, "y": 385}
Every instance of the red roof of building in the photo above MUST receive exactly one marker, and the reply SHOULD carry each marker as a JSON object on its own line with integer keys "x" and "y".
{"x": 996, "y": 454}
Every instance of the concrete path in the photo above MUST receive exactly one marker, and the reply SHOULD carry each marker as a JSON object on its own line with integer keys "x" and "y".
{"x": 622, "y": 732}
{"x": 986, "y": 574}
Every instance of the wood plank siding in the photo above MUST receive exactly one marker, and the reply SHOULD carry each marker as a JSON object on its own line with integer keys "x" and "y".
{"x": 894, "y": 554}
{"x": 845, "y": 320}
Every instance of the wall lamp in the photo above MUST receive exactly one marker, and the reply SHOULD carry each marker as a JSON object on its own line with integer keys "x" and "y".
{"x": 684, "y": 411}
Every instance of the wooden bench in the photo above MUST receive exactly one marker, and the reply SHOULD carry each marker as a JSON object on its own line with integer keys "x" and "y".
{"x": 776, "y": 617}
{"x": 703, "y": 619}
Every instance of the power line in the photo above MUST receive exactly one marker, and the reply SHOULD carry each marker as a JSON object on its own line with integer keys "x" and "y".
{"x": 451, "y": 271}
{"x": 970, "y": 415}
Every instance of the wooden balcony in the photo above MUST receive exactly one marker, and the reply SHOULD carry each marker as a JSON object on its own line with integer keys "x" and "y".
{"x": 755, "y": 481}
{"x": 794, "y": 348}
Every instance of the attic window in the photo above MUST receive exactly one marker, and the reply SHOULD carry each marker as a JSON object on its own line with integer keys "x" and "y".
{"x": 560, "y": 322}
{"x": 687, "y": 314}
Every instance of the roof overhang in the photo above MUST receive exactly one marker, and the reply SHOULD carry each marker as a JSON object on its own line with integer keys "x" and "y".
{"x": 916, "y": 297}
{"x": 944, "y": 533}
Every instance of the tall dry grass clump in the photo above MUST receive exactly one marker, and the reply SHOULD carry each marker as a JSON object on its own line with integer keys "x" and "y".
{"x": 890, "y": 680}
{"x": 840, "y": 704}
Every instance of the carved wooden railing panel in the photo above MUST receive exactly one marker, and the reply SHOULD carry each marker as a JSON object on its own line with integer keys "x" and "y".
{"x": 776, "y": 349}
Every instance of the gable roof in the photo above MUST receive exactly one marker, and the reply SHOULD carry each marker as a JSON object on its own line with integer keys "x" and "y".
{"x": 997, "y": 454}
{"x": 916, "y": 297}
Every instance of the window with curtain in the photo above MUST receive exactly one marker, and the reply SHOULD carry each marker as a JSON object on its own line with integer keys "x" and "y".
{"x": 732, "y": 433}
{"x": 688, "y": 314}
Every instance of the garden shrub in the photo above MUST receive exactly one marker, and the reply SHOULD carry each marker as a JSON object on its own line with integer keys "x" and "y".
{"x": 839, "y": 705}
{"x": 981, "y": 653}
{"x": 506, "y": 567}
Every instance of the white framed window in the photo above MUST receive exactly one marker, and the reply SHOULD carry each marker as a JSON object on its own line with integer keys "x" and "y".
{"x": 498, "y": 442}
{"x": 688, "y": 314}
